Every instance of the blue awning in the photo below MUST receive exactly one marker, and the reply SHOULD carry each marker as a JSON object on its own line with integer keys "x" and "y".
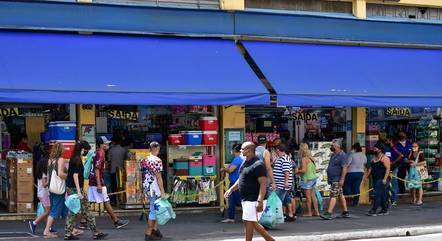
{"x": 113, "y": 69}
{"x": 329, "y": 75}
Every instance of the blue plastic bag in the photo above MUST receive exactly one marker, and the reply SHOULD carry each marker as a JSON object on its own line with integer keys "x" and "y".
{"x": 164, "y": 211}
{"x": 88, "y": 164}
{"x": 73, "y": 203}
{"x": 40, "y": 209}
{"x": 273, "y": 212}
{"x": 319, "y": 198}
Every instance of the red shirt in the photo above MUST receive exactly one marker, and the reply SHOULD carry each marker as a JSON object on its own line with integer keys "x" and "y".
{"x": 99, "y": 160}
{"x": 23, "y": 147}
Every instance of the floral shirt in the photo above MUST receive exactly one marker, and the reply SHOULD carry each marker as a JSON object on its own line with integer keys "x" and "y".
{"x": 99, "y": 160}
{"x": 149, "y": 168}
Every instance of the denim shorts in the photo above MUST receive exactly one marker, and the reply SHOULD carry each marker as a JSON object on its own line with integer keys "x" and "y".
{"x": 309, "y": 184}
{"x": 57, "y": 205}
{"x": 152, "y": 211}
{"x": 284, "y": 196}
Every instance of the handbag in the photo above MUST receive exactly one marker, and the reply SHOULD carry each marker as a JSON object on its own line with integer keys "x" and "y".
{"x": 56, "y": 184}
{"x": 421, "y": 169}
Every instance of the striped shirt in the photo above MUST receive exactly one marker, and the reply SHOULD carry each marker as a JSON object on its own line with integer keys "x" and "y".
{"x": 283, "y": 164}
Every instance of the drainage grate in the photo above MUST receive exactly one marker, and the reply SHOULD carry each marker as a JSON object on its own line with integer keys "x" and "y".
{"x": 15, "y": 235}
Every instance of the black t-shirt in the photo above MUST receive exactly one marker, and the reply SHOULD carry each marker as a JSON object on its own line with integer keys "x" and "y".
{"x": 75, "y": 169}
{"x": 248, "y": 179}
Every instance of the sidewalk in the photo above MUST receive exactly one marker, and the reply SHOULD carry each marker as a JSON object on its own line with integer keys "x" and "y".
{"x": 206, "y": 226}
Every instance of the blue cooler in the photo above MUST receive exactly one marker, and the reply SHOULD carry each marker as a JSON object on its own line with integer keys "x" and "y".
{"x": 62, "y": 130}
{"x": 193, "y": 137}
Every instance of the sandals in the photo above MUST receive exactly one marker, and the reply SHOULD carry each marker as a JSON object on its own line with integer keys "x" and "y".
{"x": 99, "y": 236}
{"x": 71, "y": 237}
{"x": 50, "y": 236}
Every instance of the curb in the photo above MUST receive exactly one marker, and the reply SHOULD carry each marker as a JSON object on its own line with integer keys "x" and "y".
{"x": 369, "y": 234}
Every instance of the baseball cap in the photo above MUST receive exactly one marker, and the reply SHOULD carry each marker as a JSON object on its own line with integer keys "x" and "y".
{"x": 102, "y": 140}
{"x": 262, "y": 139}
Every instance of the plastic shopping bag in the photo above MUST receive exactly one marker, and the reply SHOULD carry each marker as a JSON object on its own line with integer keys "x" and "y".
{"x": 88, "y": 164}
{"x": 272, "y": 214}
{"x": 164, "y": 211}
{"x": 73, "y": 203}
{"x": 319, "y": 198}
{"x": 40, "y": 209}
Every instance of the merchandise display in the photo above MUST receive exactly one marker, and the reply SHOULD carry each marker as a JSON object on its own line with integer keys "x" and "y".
{"x": 321, "y": 153}
{"x": 190, "y": 190}
{"x": 130, "y": 179}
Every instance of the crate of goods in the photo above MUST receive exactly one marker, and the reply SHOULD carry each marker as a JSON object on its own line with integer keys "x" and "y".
{"x": 131, "y": 168}
{"x": 24, "y": 169}
{"x": 196, "y": 166}
{"x": 25, "y": 207}
{"x": 25, "y": 190}
{"x": 62, "y": 130}
{"x": 181, "y": 166}
{"x": 68, "y": 147}
{"x": 138, "y": 154}
{"x": 209, "y": 165}
{"x": 176, "y": 139}
{"x": 210, "y": 137}
{"x": 209, "y": 123}
{"x": 193, "y": 137}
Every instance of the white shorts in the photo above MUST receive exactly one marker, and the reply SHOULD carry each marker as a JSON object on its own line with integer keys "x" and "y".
{"x": 95, "y": 197}
{"x": 249, "y": 211}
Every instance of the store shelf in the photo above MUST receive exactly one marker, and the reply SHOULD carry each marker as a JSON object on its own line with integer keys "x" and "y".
{"x": 195, "y": 177}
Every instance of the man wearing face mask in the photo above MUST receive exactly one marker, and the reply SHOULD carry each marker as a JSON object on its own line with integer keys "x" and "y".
{"x": 395, "y": 156}
{"x": 336, "y": 172}
{"x": 404, "y": 146}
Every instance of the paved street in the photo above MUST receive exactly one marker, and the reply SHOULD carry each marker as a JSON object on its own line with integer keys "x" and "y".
{"x": 205, "y": 226}
{"x": 417, "y": 238}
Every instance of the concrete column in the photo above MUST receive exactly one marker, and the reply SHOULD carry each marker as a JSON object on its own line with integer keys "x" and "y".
{"x": 232, "y": 4}
{"x": 360, "y": 8}
{"x": 358, "y": 135}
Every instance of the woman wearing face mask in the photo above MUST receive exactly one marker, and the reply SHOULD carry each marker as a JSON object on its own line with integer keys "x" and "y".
{"x": 416, "y": 158}
{"x": 75, "y": 185}
{"x": 233, "y": 170}
{"x": 356, "y": 168}
{"x": 379, "y": 171}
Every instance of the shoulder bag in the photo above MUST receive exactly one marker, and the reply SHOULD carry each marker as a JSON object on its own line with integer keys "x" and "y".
{"x": 421, "y": 169}
{"x": 56, "y": 184}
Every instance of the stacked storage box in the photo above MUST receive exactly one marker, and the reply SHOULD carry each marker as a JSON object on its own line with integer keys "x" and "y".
{"x": 209, "y": 125}
{"x": 65, "y": 133}
{"x": 193, "y": 137}
{"x": 21, "y": 180}
{"x": 209, "y": 165}
{"x": 195, "y": 166}
{"x": 181, "y": 167}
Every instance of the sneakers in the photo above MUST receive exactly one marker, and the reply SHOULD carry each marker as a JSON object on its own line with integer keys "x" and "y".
{"x": 228, "y": 220}
{"x": 394, "y": 204}
{"x": 71, "y": 237}
{"x": 121, "y": 223}
{"x": 345, "y": 214}
{"x": 158, "y": 233}
{"x": 99, "y": 236}
{"x": 289, "y": 219}
{"x": 383, "y": 213}
{"x": 32, "y": 227}
{"x": 151, "y": 237}
{"x": 371, "y": 213}
{"x": 326, "y": 216}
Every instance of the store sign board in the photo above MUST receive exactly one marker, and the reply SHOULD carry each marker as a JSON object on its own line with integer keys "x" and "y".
{"x": 123, "y": 115}
{"x": 392, "y": 111}
{"x": 5, "y": 112}
{"x": 305, "y": 116}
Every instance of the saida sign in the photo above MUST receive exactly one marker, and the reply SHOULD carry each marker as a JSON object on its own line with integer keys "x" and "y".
{"x": 123, "y": 115}
{"x": 301, "y": 116}
{"x": 6, "y": 112}
{"x": 406, "y": 112}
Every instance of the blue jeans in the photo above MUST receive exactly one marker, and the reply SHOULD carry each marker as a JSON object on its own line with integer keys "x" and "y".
{"x": 380, "y": 195}
{"x": 152, "y": 211}
{"x": 395, "y": 187}
{"x": 284, "y": 196}
{"x": 234, "y": 200}
{"x": 352, "y": 185}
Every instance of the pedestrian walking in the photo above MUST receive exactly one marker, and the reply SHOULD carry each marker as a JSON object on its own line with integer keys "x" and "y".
{"x": 153, "y": 188}
{"x": 395, "y": 157}
{"x": 308, "y": 179}
{"x": 404, "y": 147}
{"x": 379, "y": 171}
{"x": 57, "y": 175}
{"x": 356, "y": 168}
{"x": 264, "y": 155}
{"x": 283, "y": 174}
{"x": 42, "y": 193}
{"x": 233, "y": 170}
{"x": 75, "y": 185}
{"x": 416, "y": 159}
{"x": 336, "y": 172}
{"x": 274, "y": 150}
{"x": 116, "y": 156}
{"x": 97, "y": 188}
{"x": 252, "y": 185}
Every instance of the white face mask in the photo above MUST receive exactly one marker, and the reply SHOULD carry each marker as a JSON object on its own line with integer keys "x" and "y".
{"x": 242, "y": 157}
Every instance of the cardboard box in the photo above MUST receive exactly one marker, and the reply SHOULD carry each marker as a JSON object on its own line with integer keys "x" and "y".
{"x": 25, "y": 207}
{"x": 12, "y": 207}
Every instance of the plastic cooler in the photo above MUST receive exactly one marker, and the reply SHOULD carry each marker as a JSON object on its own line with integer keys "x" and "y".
{"x": 210, "y": 137}
{"x": 181, "y": 167}
{"x": 176, "y": 139}
{"x": 193, "y": 137}
{"x": 195, "y": 166}
{"x": 208, "y": 123}
{"x": 62, "y": 130}
{"x": 209, "y": 165}
{"x": 67, "y": 145}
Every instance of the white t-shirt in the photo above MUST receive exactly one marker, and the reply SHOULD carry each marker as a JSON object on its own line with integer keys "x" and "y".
{"x": 150, "y": 167}
{"x": 41, "y": 190}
